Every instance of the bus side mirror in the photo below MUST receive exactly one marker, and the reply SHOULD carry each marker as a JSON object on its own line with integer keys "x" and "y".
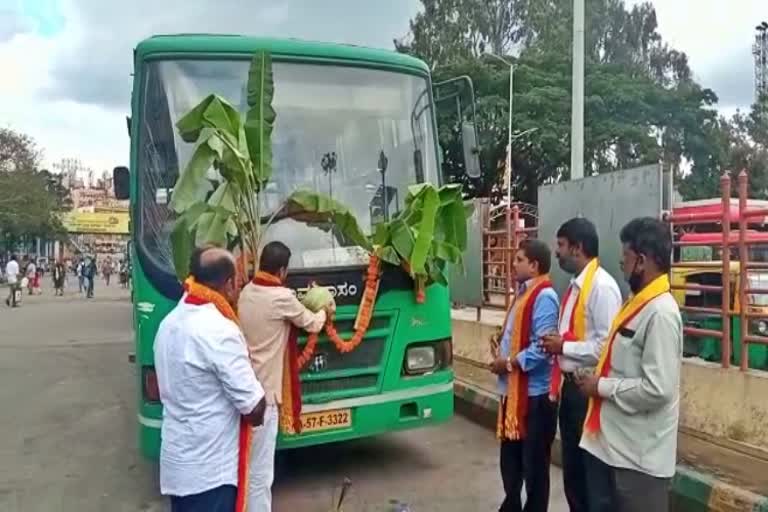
{"x": 128, "y": 123}
{"x": 121, "y": 181}
{"x": 471, "y": 151}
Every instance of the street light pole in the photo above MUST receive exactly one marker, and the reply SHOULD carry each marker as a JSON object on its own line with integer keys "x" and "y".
{"x": 509, "y": 124}
{"x": 577, "y": 93}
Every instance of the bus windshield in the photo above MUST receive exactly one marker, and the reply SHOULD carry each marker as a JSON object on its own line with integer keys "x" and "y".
{"x": 354, "y": 112}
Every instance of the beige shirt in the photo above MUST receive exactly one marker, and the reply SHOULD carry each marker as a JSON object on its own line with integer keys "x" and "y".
{"x": 641, "y": 395}
{"x": 266, "y": 314}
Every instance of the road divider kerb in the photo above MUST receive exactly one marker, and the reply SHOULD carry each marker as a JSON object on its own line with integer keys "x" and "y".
{"x": 691, "y": 490}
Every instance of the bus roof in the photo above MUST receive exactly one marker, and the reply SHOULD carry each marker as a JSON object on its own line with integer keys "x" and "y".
{"x": 236, "y": 44}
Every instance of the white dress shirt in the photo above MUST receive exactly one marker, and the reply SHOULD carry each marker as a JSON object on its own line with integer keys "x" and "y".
{"x": 641, "y": 395}
{"x": 602, "y": 306}
{"x": 206, "y": 382}
{"x": 12, "y": 272}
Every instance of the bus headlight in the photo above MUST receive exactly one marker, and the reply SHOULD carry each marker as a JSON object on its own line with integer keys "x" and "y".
{"x": 420, "y": 359}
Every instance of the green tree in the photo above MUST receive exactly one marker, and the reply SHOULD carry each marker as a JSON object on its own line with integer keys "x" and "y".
{"x": 30, "y": 199}
{"x": 641, "y": 105}
{"x": 736, "y": 144}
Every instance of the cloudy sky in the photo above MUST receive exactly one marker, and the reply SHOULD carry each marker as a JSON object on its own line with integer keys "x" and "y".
{"x": 66, "y": 64}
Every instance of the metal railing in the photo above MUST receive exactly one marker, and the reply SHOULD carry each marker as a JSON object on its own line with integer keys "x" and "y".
{"x": 499, "y": 247}
{"x": 745, "y": 294}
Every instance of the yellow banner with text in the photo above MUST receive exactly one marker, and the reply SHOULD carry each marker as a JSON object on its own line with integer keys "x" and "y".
{"x": 116, "y": 223}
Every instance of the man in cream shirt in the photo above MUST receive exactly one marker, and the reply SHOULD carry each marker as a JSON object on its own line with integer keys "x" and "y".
{"x": 268, "y": 310}
{"x": 632, "y": 440}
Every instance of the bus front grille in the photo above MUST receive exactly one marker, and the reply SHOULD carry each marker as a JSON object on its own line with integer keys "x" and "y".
{"x": 329, "y": 372}
{"x": 339, "y": 384}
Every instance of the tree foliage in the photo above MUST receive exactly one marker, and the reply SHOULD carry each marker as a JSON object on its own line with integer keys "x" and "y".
{"x": 736, "y": 144}
{"x": 30, "y": 199}
{"x": 641, "y": 104}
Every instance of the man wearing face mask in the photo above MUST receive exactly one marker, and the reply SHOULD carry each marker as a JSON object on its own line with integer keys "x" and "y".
{"x": 588, "y": 307}
{"x": 630, "y": 432}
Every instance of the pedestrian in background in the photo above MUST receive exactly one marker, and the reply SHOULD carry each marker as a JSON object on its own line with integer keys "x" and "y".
{"x": 31, "y": 273}
{"x": 59, "y": 274}
{"x": 632, "y": 418}
{"x": 107, "y": 270}
{"x": 12, "y": 278}
{"x": 208, "y": 389}
{"x": 587, "y": 310}
{"x": 91, "y": 271}
{"x": 80, "y": 271}
{"x": 527, "y": 418}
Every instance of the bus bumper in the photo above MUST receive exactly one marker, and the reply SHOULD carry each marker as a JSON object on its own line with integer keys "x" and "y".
{"x": 371, "y": 415}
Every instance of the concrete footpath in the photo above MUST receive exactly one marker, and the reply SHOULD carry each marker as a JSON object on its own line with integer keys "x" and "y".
{"x": 710, "y": 477}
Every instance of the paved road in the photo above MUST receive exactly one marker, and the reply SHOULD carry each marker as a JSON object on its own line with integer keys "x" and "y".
{"x": 67, "y": 435}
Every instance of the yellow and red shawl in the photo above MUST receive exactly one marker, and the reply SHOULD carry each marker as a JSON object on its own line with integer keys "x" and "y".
{"x": 577, "y": 327}
{"x": 513, "y": 412}
{"x": 630, "y": 310}
{"x": 200, "y": 294}
{"x": 290, "y": 410}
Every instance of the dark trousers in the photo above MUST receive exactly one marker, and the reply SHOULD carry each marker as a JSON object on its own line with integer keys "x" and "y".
{"x": 90, "y": 286}
{"x": 528, "y": 460}
{"x": 220, "y": 499}
{"x": 624, "y": 490}
{"x": 573, "y": 410}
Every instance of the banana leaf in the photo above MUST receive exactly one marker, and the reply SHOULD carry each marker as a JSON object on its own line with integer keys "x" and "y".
{"x": 322, "y": 211}
{"x": 213, "y": 112}
{"x": 425, "y": 230}
{"x": 260, "y": 118}
{"x": 187, "y": 189}
{"x": 402, "y": 239}
{"x": 224, "y": 197}
{"x": 182, "y": 244}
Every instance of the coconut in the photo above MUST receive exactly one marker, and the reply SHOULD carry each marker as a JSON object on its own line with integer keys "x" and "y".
{"x": 317, "y": 298}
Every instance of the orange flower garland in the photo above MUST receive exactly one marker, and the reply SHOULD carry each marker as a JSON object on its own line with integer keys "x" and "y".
{"x": 364, "y": 315}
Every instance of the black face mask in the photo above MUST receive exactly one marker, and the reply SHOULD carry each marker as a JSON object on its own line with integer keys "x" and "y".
{"x": 635, "y": 279}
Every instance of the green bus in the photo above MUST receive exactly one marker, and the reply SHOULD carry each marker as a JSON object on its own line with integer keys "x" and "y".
{"x": 357, "y": 103}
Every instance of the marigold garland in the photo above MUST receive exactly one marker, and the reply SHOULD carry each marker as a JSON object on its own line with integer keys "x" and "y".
{"x": 363, "y": 321}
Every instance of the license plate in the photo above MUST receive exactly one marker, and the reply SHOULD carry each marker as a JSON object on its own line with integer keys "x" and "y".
{"x": 326, "y": 420}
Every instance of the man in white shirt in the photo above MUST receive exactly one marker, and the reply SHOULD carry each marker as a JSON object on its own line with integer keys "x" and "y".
{"x": 587, "y": 310}
{"x": 269, "y": 310}
{"x": 12, "y": 277}
{"x": 631, "y": 426}
{"x": 206, "y": 383}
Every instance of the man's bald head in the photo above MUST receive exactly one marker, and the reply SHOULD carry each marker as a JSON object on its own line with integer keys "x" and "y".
{"x": 212, "y": 266}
